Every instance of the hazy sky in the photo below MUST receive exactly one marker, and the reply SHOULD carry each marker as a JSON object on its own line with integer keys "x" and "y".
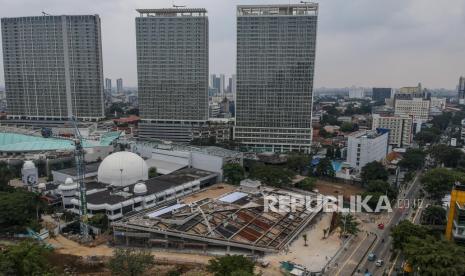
{"x": 360, "y": 42}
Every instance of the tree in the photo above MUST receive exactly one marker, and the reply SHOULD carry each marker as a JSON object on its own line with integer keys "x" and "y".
{"x": 130, "y": 262}
{"x": 427, "y": 136}
{"x": 444, "y": 154}
{"x": 304, "y": 236}
{"x": 298, "y": 162}
{"x": 100, "y": 221}
{"x": 402, "y": 232}
{"x": 441, "y": 121}
{"x": 233, "y": 173}
{"x": 434, "y": 215}
{"x": 308, "y": 184}
{"x": 231, "y": 265}
{"x": 5, "y": 176}
{"x": 338, "y": 153}
{"x": 347, "y": 127}
{"x": 325, "y": 168}
{"x": 439, "y": 181}
{"x": 18, "y": 210}
{"x": 348, "y": 224}
{"x": 374, "y": 198}
{"x": 152, "y": 172}
{"x": 25, "y": 258}
{"x": 330, "y": 152}
{"x": 383, "y": 187}
{"x": 429, "y": 256}
{"x": 374, "y": 171}
{"x": 413, "y": 159}
{"x": 272, "y": 175}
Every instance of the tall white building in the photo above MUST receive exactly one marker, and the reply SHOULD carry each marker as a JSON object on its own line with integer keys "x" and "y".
{"x": 366, "y": 146}
{"x": 356, "y": 93}
{"x": 119, "y": 86}
{"x": 418, "y": 108}
{"x": 400, "y": 129}
{"x": 275, "y": 65}
{"x": 53, "y": 67}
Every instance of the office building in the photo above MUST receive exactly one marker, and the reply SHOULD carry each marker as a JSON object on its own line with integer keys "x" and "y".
{"x": 53, "y": 67}
{"x": 233, "y": 83}
{"x": 418, "y": 108}
{"x": 455, "y": 229}
{"x": 381, "y": 94}
{"x": 356, "y": 93}
{"x": 172, "y": 65}
{"x": 119, "y": 86}
{"x": 461, "y": 90}
{"x": 439, "y": 103}
{"x": 108, "y": 84}
{"x": 275, "y": 67}
{"x": 217, "y": 82}
{"x": 366, "y": 146}
{"x": 409, "y": 92}
{"x": 400, "y": 129}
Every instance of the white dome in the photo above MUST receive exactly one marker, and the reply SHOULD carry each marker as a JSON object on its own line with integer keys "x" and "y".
{"x": 122, "y": 168}
{"x": 68, "y": 185}
{"x": 140, "y": 189}
{"x": 41, "y": 186}
{"x": 29, "y": 165}
{"x": 69, "y": 181}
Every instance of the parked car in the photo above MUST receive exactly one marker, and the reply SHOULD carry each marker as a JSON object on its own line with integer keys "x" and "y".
{"x": 372, "y": 257}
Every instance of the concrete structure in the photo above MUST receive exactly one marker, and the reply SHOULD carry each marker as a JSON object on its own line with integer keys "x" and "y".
{"x": 108, "y": 84}
{"x": 172, "y": 70}
{"x": 409, "y": 92}
{"x": 119, "y": 86}
{"x": 461, "y": 90}
{"x": 356, "y": 93}
{"x": 366, "y": 146}
{"x": 381, "y": 94}
{"x": 418, "y": 108}
{"x": 455, "y": 229}
{"x": 400, "y": 129}
{"x": 53, "y": 67}
{"x": 439, "y": 103}
{"x": 275, "y": 68}
{"x": 60, "y": 176}
{"x": 233, "y": 222}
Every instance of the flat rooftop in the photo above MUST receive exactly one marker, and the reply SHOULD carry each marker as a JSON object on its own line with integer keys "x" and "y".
{"x": 234, "y": 217}
{"x": 90, "y": 168}
{"x": 308, "y": 9}
{"x": 173, "y": 12}
{"x": 154, "y": 185}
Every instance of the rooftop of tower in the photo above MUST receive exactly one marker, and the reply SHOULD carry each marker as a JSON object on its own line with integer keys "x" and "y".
{"x": 274, "y": 10}
{"x": 173, "y": 12}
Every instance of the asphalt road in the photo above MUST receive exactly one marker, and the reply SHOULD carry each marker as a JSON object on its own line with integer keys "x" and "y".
{"x": 382, "y": 249}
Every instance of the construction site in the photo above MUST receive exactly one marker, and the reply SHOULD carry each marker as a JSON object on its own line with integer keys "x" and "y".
{"x": 218, "y": 220}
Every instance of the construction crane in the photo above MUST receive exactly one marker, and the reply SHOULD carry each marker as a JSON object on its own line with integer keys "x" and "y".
{"x": 80, "y": 172}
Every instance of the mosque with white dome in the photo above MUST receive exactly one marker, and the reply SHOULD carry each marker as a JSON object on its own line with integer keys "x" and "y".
{"x": 122, "y": 186}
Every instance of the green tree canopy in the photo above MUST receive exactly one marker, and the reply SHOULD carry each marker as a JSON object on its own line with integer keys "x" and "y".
{"x": 348, "y": 224}
{"x": 272, "y": 175}
{"x": 298, "y": 162}
{"x": 18, "y": 210}
{"x": 444, "y": 154}
{"x": 413, "y": 159}
{"x": 152, "y": 172}
{"x": 130, "y": 262}
{"x": 307, "y": 184}
{"x": 231, "y": 265}
{"x": 383, "y": 187}
{"x": 373, "y": 171}
{"x": 402, "y": 233}
{"x": 434, "y": 215}
{"x": 25, "y": 258}
{"x": 5, "y": 176}
{"x": 325, "y": 168}
{"x": 439, "y": 181}
{"x": 432, "y": 257}
{"x": 427, "y": 136}
{"x": 347, "y": 127}
{"x": 233, "y": 173}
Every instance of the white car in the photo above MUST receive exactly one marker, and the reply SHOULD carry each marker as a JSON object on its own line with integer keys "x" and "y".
{"x": 379, "y": 263}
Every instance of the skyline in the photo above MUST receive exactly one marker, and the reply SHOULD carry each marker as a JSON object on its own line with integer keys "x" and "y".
{"x": 406, "y": 41}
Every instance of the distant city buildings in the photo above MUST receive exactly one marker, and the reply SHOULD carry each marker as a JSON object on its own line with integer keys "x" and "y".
{"x": 53, "y": 67}
{"x": 119, "y": 86}
{"x": 172, "y": 66}
{"x": 356, "y": 93}
{"x": 381, "y": 94}
{"x": 275, "y": 67}
{"x": 400, "y": 129}
{"x": 108, "y": 84}
{"x": 461, "y": 90}
{"x": 366, "y": 146}
{"x": 408, "y": 93}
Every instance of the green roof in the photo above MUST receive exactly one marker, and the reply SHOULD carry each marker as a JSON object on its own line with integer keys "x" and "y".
{"x": 14, "y": 142}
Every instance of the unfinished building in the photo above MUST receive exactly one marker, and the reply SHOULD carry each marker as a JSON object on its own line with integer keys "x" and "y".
{"x": 236, "y": 221}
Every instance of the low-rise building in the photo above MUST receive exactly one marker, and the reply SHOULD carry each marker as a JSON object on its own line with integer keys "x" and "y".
{"x": 400, "y": 129}
{"x": 455, "y": 229}
{"x": 366, "y": 146}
